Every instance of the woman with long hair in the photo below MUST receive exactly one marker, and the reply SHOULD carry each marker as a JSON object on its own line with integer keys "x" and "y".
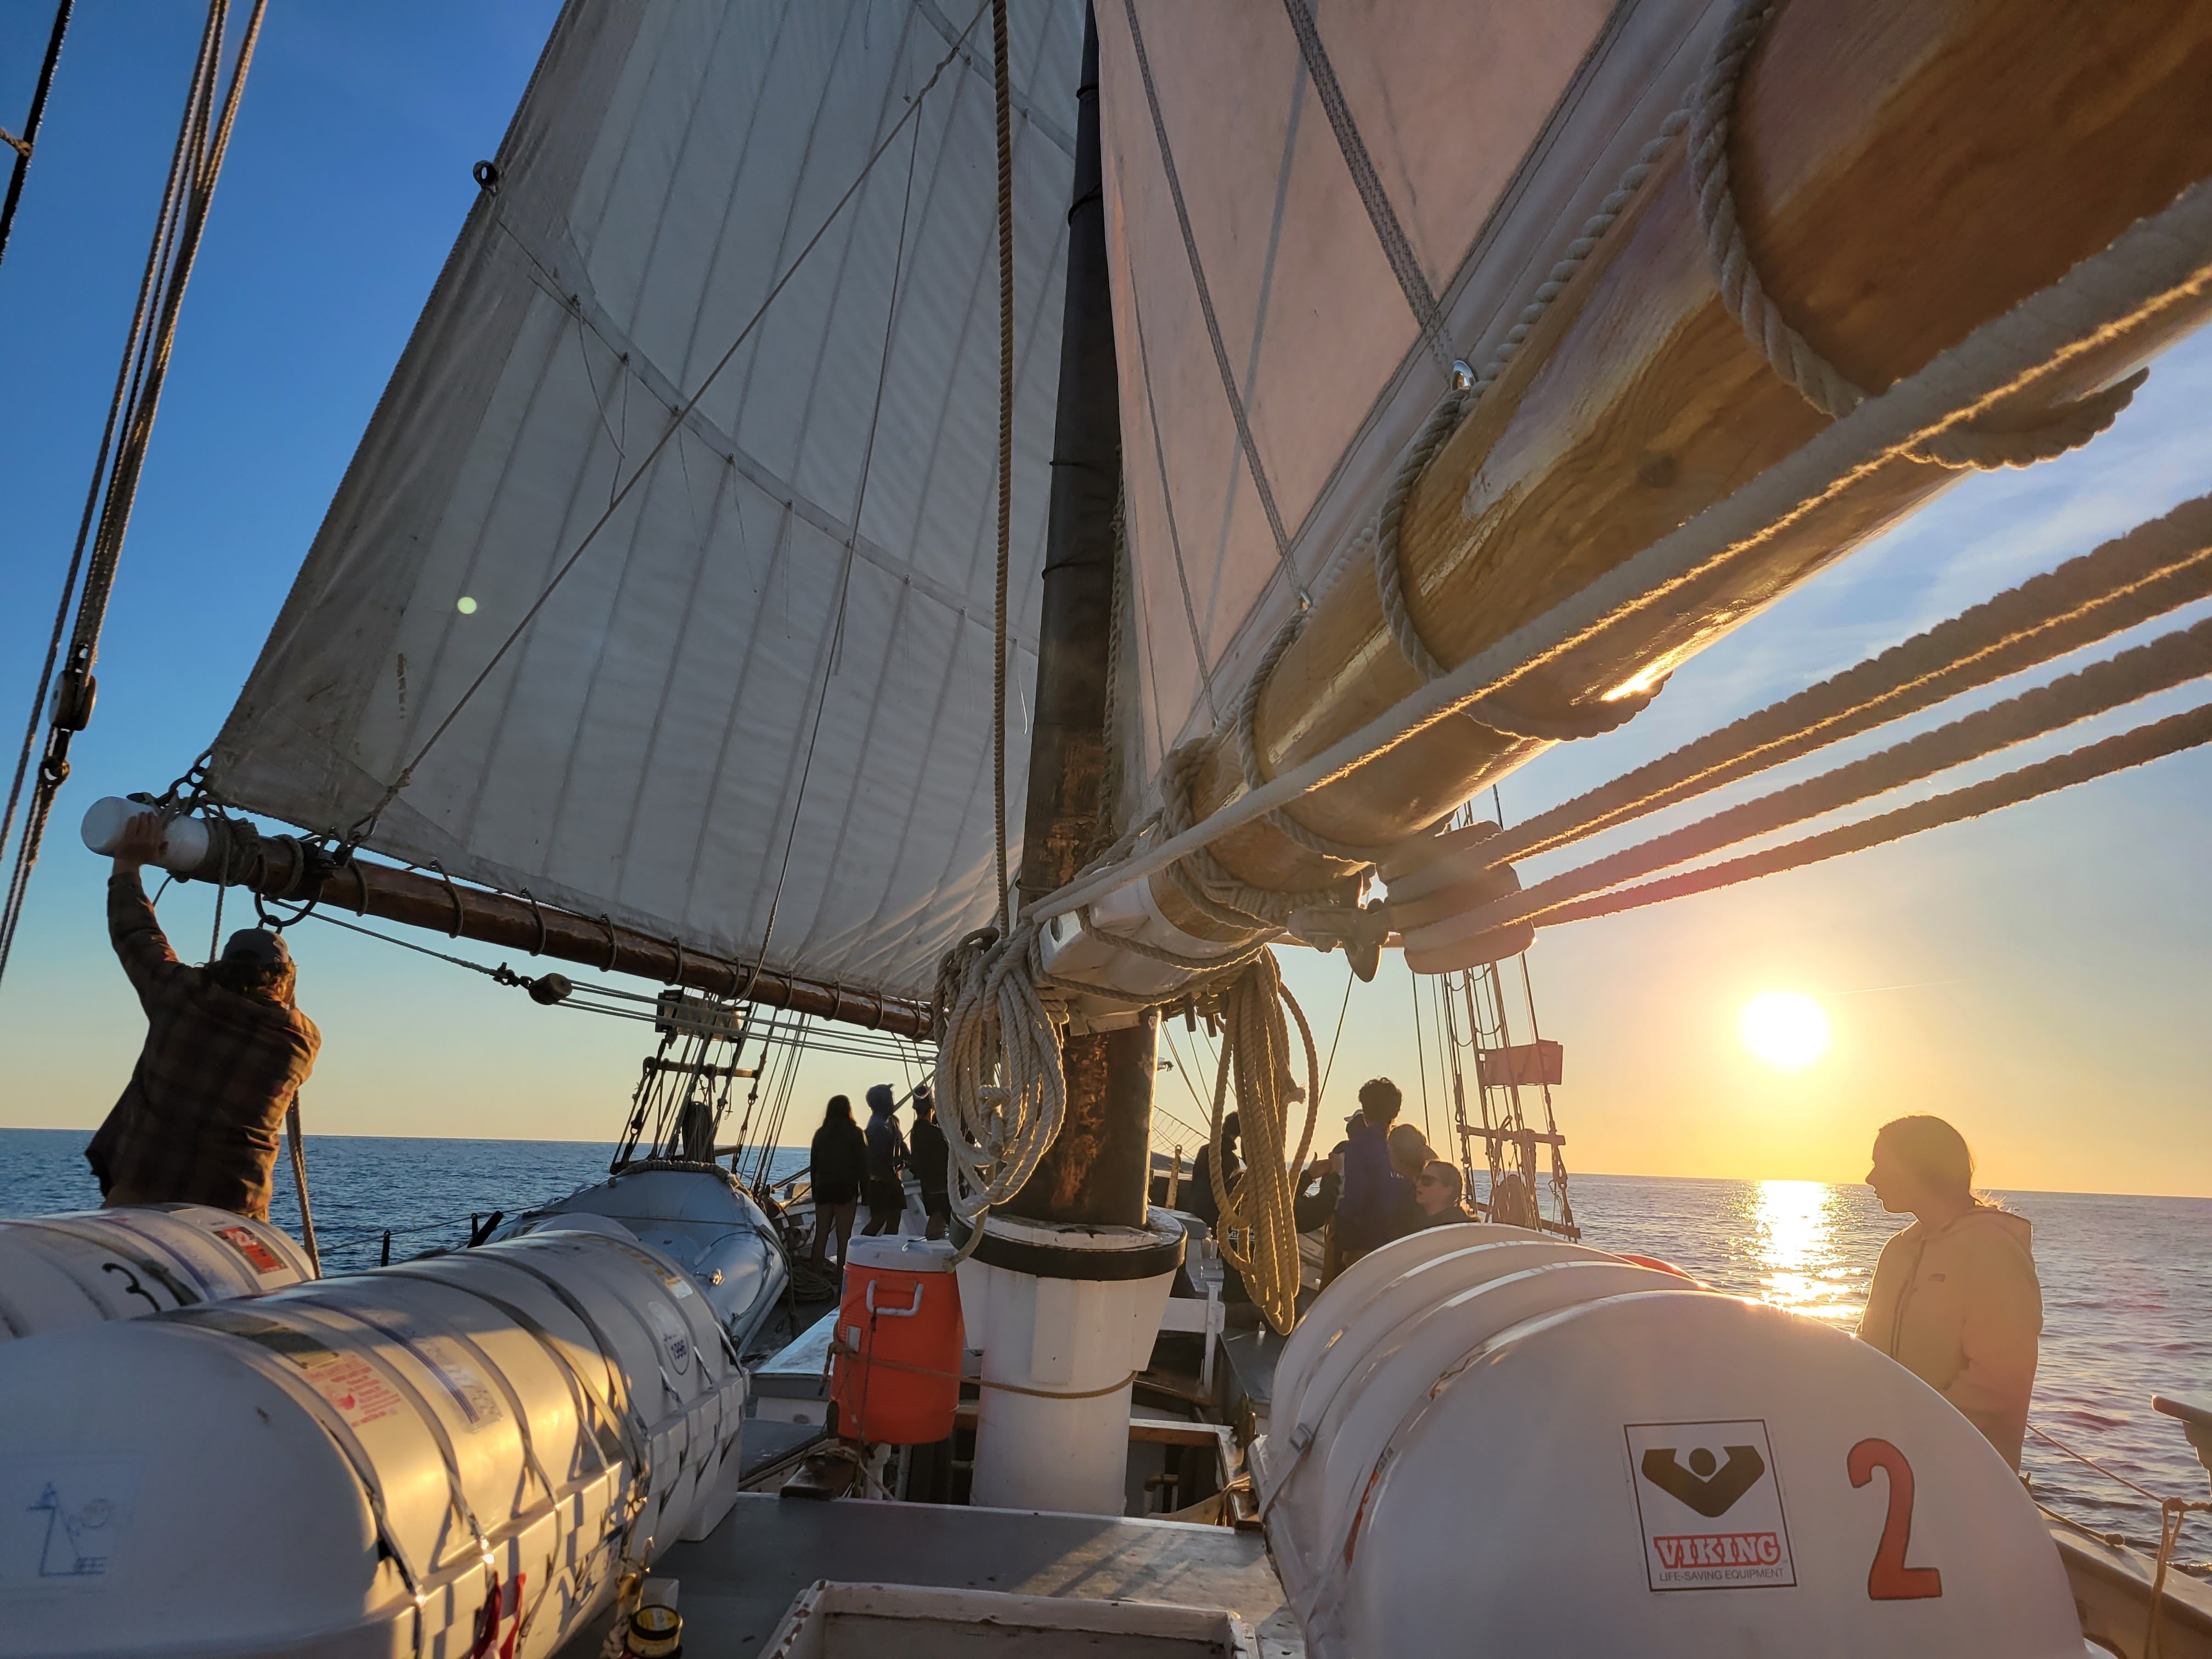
{"x": 838, "y": 1166}
{"x": 1955, "y": 1298}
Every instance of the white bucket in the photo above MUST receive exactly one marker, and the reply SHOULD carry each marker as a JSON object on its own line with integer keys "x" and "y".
{"x": 459, "y": 1455}
{"x": 61, "y": 1270}
{"x": 1578, "y": 1455}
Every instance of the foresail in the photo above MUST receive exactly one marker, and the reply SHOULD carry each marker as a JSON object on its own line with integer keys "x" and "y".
{"x": 1296, "y": 268}
{"x": 755, "y": 712}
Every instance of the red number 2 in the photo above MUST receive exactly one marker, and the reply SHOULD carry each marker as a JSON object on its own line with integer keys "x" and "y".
{"x": 1889, "y": 1579}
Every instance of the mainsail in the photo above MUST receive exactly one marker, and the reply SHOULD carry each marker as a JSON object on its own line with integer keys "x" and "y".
{"x": 753, "y": 714}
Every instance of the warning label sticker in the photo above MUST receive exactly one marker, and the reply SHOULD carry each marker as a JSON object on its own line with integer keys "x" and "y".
{"x": 262, "y": 1259}
{"x": 1711, "y": 1506}
{"x": 350, "y": 1383}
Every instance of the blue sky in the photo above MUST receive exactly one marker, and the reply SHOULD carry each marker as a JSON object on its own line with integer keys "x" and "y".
{"x": 2052, "y": 961}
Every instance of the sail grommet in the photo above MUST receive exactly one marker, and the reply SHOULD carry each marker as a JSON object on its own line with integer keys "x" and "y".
{"x": 486, "y": 175}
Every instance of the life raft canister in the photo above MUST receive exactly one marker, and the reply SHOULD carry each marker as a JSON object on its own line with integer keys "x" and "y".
{"x": 895, "y": 1372}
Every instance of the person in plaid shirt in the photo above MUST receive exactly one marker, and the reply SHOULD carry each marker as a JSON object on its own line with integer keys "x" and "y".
{"x": 226, "y": 1052}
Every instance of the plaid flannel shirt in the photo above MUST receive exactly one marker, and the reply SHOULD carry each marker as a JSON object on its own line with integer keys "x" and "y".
{"x": 199, "y": 1121}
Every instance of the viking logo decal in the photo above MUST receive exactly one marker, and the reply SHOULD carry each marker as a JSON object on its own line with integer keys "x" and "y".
{"x": 1711, "y": 1492}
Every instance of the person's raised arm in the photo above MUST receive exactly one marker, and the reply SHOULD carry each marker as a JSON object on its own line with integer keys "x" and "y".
{"x": 140, "y": 945}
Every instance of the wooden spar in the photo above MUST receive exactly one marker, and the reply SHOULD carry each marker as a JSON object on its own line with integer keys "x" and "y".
{"x": 1904, "y": 172}
{"x": 277, "y": 867}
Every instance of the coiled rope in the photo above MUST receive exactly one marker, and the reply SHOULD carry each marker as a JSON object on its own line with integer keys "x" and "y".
{"x": 1256, "y": 1229}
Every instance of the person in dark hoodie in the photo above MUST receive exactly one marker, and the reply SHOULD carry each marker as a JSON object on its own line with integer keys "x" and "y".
{"x": 1954, "y": 1299}
{"x": 887, "y": 1156}
{"x": 932, "y": 1162}
{"x": 835, "y": 1170}
{"x": 226, "y": 1052}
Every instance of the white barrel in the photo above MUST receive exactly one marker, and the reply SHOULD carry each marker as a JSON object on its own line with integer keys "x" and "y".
{"x": 1066, "y": 1317}
{"x": 457, "y": 1456}
{"x": 60, "y": 1271}
{"x": 102, "y": 829}
{"x": 1522, "y": 1447}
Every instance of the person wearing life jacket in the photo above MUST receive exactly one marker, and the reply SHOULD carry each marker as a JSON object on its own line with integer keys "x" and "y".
{"x": 1955, "y": 1298}
{"x": 226, "y": 1052}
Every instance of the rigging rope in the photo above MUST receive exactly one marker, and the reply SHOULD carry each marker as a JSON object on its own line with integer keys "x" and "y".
{"x": 2154, "y": 569}
{"x": 194, "y": 166}
{"x": 2170, "y": 660}
{"x": 2129, "y": 748}
{"x": 24, "y": 142}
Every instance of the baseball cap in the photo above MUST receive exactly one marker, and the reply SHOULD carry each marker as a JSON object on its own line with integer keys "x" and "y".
{"x": 256, "y": 945}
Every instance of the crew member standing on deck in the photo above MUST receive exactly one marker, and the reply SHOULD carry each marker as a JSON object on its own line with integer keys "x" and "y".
{"x": 837, "y": 1167}
{"x": 1955, "y": 1298}
{"x": 931, "y": 1162}
{"x": 1373, "y": 1193}
{"x": 226, "y": 1052}
{"x": 887, "y": 1155}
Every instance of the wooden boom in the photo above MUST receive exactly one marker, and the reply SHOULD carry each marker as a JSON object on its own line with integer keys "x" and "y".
{"x": 1906, "y": 171}
{"x": 283, "y": 868}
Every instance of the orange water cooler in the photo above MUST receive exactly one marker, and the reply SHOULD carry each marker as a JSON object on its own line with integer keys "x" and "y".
{"x": 895, "y": 1374}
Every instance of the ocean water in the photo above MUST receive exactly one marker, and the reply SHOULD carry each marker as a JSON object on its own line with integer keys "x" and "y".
{"x": 2127, "y": 1282}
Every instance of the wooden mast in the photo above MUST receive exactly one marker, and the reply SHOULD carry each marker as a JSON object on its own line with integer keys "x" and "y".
{"x": 1096, "y": 1173}
{"x": 1906, "y": 171}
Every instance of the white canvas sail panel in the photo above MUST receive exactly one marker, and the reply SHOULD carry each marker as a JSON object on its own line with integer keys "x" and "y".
{"x": 764, "y": 687}
{"x": 1296, "y": 266}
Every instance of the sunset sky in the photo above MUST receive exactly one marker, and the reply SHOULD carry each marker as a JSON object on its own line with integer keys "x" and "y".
{"x": 2039, "y": 977}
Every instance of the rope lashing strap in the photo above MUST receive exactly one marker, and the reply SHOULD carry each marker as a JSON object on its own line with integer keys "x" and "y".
{"x": 1711, "y": 113}
{"x": 1209, "y": 884}
{"x": 840, "y": 1347}
{"x": 2131, "y": 749}
{"x": 2171, "y": 660}
{"x": 2154, "y": 569}
{"x": 1256, "y": 1229}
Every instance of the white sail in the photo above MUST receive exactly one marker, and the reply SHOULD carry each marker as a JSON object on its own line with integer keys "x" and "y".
{"x": 763, "y": 690}
{"x": 1296, "y": 267}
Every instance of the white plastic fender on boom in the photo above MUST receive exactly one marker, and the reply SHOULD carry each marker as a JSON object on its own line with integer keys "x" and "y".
{"x": 457, "y": 1456}
{"x": 1522, "y": 1446}
{"x": 85, "y": 1269}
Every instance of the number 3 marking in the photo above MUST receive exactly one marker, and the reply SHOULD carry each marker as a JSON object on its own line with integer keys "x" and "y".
{"x": 130, "y": 1284}
{"x": 1889, "y": 1579}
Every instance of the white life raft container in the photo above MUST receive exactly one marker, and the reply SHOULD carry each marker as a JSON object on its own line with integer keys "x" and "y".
{"x": 60, "y": 1271}
{"x": 1520, "y": 1445}
{"x": 460, "y": 1455}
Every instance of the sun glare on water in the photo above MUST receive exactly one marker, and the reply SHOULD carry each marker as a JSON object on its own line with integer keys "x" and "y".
{"x": 1787, "y": 1030}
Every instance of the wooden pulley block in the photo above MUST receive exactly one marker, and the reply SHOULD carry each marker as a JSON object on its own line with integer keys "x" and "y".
{"x": 1434, "y": 879}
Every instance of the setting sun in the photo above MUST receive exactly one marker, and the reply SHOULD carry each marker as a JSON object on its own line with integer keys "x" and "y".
{"x": 1787, "y": 1030}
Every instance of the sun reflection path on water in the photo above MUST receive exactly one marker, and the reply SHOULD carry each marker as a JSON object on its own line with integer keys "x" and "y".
{"x": 1797, "y": 1250}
